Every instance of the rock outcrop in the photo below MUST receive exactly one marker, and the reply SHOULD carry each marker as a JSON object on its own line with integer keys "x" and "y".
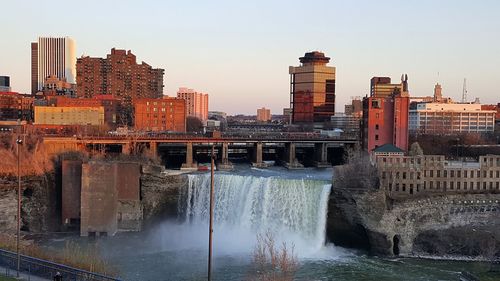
{"x": 40, "y": 210}
{"x": 465, "y": 225}
{"x": 160, "y": 193}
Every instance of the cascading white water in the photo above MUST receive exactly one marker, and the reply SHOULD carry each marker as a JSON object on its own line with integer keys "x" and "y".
{"x": 294, "y": 209}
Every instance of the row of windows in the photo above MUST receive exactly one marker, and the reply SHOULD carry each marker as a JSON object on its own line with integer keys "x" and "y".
{"x": 445, "y": 174}
{"x": 444, "y": 185}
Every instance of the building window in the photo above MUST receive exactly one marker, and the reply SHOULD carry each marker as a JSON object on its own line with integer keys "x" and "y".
{"x": 376, "y": 137}
{"x": 376, "y": 104}
{"x": 376, "y": 126}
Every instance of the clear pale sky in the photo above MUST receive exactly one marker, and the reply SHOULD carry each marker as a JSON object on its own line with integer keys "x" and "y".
{"x": 239, "y": 51}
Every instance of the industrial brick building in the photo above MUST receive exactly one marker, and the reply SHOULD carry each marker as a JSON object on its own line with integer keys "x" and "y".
{"x": 385, "y": 114}
{"x": 312, "y": 89}
{"x": 118, "y": 75}
{"x": 166, "y": 114}
{"x": 406, "y": 176}
{"x": 196, "y": 103}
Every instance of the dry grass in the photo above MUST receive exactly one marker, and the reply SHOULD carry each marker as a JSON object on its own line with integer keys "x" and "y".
{"x": 273, "y": 263}
{"x": 34, "y": 159}
{"x": 72, "y": 254}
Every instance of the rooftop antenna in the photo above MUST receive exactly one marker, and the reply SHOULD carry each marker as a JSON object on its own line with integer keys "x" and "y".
{"x": 464, "y": 91}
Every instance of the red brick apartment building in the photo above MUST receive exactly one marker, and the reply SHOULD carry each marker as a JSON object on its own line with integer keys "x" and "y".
{"x": 166, "y": 114}
{"x": 118, "y": 75}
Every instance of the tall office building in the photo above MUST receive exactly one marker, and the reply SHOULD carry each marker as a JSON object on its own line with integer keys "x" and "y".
{"x": 52, "y": 56}
{"x": 196, "y": 103}
{"x": 118, "y": 75}
{"x": 385, "y": 114}
{"x": 312, "y": 89}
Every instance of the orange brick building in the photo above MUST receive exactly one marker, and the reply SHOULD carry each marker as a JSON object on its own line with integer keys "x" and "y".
{"x": 166, "y": 114}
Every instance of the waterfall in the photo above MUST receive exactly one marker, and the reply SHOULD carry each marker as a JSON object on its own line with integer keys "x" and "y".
{"x": 293, "y": 209}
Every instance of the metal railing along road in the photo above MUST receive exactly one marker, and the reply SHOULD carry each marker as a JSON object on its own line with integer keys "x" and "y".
{"x": 47, "y": 269}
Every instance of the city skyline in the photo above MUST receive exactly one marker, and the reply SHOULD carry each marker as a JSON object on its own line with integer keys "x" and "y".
{"x": 236, "y": 50}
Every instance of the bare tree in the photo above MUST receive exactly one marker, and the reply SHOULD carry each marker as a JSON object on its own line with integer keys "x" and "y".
{"x": 272, "y": 263}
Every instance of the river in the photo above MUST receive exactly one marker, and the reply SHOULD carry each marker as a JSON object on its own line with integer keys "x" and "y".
{"x": 290, "y": 204}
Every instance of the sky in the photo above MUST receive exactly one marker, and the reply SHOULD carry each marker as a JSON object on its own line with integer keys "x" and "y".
{"x": 239, "y": 51}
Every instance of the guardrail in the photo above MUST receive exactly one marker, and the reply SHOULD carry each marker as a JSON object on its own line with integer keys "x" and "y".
{"x": 47, "y": 269}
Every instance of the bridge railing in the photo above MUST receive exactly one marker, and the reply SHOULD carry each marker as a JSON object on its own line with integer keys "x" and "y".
{"x": 48, "y": 269}
{"x": 226, "y": 136}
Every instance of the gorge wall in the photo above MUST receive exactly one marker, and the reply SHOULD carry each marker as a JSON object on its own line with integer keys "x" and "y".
{"x": 465, "y": 225}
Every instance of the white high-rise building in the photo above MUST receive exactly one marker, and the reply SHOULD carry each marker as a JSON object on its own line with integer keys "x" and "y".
{"x": 52, "y": 56}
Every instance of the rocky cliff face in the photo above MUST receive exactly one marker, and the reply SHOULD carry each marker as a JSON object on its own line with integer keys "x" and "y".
{"x": 40, "y": 208}
{"x": 442, "y": 225}
{"x": 160, "y": 193}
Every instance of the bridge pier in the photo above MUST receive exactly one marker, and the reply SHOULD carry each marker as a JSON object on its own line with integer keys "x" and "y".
{"x": 153, "y": 150}
{"x": 189, "y": 165}
{"x": 321, "y": 155}
{"x": 225, "y": 164}
{"x": 291, "y": 161}
{"x": 257, "y": 156}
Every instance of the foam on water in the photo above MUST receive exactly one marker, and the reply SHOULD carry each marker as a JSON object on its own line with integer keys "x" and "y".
{"x": 294, "y": 210}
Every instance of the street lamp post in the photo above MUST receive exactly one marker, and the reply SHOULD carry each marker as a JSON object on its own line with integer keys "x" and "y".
{"x": 19, "y": 141}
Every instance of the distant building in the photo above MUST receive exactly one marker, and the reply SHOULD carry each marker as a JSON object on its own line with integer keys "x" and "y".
{"x": 348, "y": 124}
{"x": 385, "y": 114}
{"x": 65, "y": 115}
{"x": 355, "y": 108}
{"x": 118, "y": 75}
{"x": 436, "y": 98}
{"x": 52, "y": 56}
{"x": 263, "y": 114}
{"x": 196, "y": 103}
{"x": 5, "y": 84}
{"x": 312, "y": 89}
{"x": 412, "y": 176}
{"x": 166, "y": 114}
{"x": 14, "y": 106}
{"x": 217, "y": 114}
{"x": 54, "y": 86}
{"x": 440, "y": 118}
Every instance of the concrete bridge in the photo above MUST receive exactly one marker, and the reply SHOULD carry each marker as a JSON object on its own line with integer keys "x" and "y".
{"x": 290, "y": 149}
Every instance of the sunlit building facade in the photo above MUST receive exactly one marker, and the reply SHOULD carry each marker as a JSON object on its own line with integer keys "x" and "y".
{"x": 312, "y": 89}
{"x": 52, "y": 57}
{"x": 196, "y": 103}
{"x": 447, "y": 118}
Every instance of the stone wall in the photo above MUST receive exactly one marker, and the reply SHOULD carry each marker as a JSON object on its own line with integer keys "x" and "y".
{"x": 367, "y": 219}
{"x": 40, "y": 210}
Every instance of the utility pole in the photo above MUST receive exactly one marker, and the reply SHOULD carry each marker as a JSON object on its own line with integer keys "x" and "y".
{"x": 19, "y": 141}
{"x": 210, "y": 227}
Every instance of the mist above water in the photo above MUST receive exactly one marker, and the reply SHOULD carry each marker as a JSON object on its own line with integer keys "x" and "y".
{"x": 294, "y": 210}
